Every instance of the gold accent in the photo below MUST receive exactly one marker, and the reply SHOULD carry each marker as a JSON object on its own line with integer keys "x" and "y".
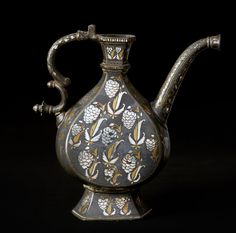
{"x": 108, "y": 190}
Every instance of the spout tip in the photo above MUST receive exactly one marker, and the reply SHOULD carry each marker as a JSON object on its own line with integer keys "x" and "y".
{"x": 214, "y": 42}
{"x": 36, "y": 107}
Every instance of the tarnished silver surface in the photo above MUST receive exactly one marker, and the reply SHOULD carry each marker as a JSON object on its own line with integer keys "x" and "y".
{"x": 166, "y": 96}
{"x": 110, "y": 206}
{"x": 112, "y": 138}
{"x": 61, "y": 81}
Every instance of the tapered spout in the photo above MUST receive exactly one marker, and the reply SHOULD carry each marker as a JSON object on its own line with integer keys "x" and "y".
{"x": 165, "y": 98}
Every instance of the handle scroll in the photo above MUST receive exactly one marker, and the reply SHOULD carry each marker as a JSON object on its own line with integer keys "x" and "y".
{"x": 60, "y": 82}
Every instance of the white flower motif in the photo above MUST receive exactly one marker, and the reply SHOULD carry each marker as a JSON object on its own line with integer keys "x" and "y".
{"x": 85, "y": 159}
{"x": 103, "y": 203}
{"x": 76, "y": 129}
{"x": 91, "y": 113}
{"x": 151, "y": 144}
{"x": 106, "y": 205}
{"x": 109, "y": 51}
{"x": 129, "y": 163}
{"x": 120, "y": 202}
{"x": 118, "y": 49}
{"x": 118, "y": 56}
{"x": 109, "y": 172}
{"x": 111, "y": 88}
{"x": 108, "y": 135}
{"x": 129, "y": 118}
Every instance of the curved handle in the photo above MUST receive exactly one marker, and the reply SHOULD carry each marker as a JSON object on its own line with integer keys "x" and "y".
{"x": 60, "y": 82}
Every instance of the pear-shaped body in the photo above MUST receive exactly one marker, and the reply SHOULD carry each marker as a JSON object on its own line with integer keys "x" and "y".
{"x": 111, "y": 138}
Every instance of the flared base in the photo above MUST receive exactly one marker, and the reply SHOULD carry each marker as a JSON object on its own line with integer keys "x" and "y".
{"x": 118, "y": 205}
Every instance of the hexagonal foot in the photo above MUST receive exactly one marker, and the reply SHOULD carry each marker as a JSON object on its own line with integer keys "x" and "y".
{"x": 110, "y": 206}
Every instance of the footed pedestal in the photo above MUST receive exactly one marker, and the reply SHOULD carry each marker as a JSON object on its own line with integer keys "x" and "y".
{"x": 102, "y": 205}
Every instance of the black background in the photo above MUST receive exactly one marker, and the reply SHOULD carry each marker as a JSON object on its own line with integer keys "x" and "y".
{"x": 196, "y": 190}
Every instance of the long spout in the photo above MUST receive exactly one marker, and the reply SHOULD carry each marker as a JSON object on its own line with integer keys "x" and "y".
{"x": 166, "y": 96}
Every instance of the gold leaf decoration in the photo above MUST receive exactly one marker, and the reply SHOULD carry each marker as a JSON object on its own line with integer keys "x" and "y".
{"x": 121, "y": 53}
{"x": 114, "y": 103}
{"x": 76, "y": 138}
{"x": 135, "y": 109}
{"x": 138, "y": 155}
{"x": 115, "y": 127}
{"x": 125, "y": 208}
{"x": 83, "y": 209}
{"x": 115, "y": 177}
{"x": 110, "y": 151}
{"x": 119, "y": 129}
{"x": 112, "y": 148}
{"x": 94, "y": 152}
{"x": 155, "y": 153}
{"x": 136, "y": 133}
{"x": 92, "y": 168}
{"x": 101, "y": 106}
{"x": 113, "y": 53}
{"x": 109, "y": 208}
{"x": 92, "y": 130}
{"x": 134, "y": 173}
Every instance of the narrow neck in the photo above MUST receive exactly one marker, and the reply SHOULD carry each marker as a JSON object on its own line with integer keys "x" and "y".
{"x": 116, "y": 52}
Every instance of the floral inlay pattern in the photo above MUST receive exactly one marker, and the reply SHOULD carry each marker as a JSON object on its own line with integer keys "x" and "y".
{"x": 84, "y": 206}
{"x": 152, "y": 145}
{"x": 116, "y": 205}
{"x": 129, "y": 118}
{"x": 111, "y": 88}
{"x": 115, "y": 53}
{"x": 109, "y": 139}
{"x": 111, "y": 171}
{"x": 88, "y": 160}
{"x": 76, "y": 132}
{"x": 91, "y": 113}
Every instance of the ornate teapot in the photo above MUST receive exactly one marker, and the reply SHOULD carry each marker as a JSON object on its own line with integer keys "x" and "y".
{"x": 113, "y": 139}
